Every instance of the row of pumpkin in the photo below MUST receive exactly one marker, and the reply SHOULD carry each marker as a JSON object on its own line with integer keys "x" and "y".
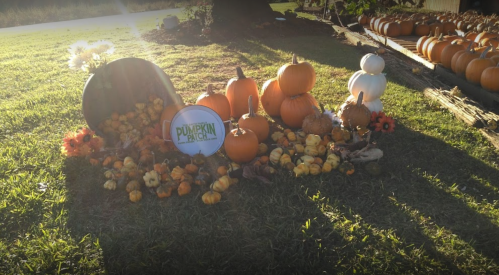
{"x": 473, "y": 57}
{"x": 421, "y": 24}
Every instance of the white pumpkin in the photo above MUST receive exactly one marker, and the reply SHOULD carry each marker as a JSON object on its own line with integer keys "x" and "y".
{"x": 374, "y": 106}
{"x": 372, "y": 63}
{"x": 372, "y": 85}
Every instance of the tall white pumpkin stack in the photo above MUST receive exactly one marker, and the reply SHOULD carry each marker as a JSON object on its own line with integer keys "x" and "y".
{"x": 369, "y": 80}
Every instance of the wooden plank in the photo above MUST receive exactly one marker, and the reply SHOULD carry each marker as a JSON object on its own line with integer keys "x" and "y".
{"x": 486, "y": 98}
{"x": 465, "y": 108}
{"x": 387, "y": 41}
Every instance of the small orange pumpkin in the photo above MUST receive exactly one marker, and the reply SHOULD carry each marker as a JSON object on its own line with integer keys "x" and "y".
{"x": 184, "y": 188}
{"x": 255, "y": 122}
{"x": 241, "y": 145}
{"x": 218, "y": 102}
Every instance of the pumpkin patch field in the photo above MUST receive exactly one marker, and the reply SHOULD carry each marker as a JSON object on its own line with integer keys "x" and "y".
{"x": 429, "y": 205}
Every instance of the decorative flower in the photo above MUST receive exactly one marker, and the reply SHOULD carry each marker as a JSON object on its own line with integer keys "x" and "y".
{"x": 78, "y": 47}
{"x": 102, "y": 46}
{"x": 375, "y": 117}
{"x": 69, "y": 145}
{"x": 385, "y": 124}
{"x": 84, "y": 136}
{"x": 76, "y": 62}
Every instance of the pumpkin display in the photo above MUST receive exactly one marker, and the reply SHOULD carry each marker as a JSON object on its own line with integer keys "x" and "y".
{"x": 238, "y": 90}
{"x": 317, "y": 123}
{"x": 295, "y": 109}
{"x": 255, "y": 122}
{"x": 372, "y": 63}
{"x": 272, "y": 97}
{"x": 354, "y": 113}
{"x": 296, "y": 78}
{"x": 217, "y": 102}
{"x": 373, "y": 86}
{"x": 490, "y": 79}
{"x": 241, "y": 145}
{"x": 424, "y": 47}
{"x": 476, "y": 66}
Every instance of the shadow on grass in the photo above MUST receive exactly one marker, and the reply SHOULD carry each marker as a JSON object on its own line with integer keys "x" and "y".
{"x": 421, "y": 199}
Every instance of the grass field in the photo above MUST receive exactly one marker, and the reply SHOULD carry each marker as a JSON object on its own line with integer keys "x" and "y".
{"x": 434, "y": 210}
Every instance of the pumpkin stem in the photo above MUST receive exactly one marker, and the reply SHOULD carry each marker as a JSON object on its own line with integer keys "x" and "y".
{"x": 484, "y": 53}
{"x": 209, "y": 90}
{"x": 360, "y": 98}
{"x": 294, "y": 60}
{"x": 240, "y": 74}
{"x": 317, "y": 112}
{"x": 250, "y": 106}
{"x": 239, "y": 132}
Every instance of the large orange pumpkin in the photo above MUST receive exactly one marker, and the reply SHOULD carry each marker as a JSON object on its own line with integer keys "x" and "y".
{"x": 241, "y": 145}
{"x": 295, "y": 109}
{"x": 490, "y": 79}
{"x": 406, "y": 26}
{"x": 435, "y": 48}
{"x": 477, "y": 66}
{"x": 238, "y": 90}
{"x": 421, "y": 29}
{"x": 449, "y": 51}
{"x": 421, "y": 41}
{"x": 272, "y": 97}
{"x": 255, "y": 122}
{"x": 296, "y": 78}
{"x": 458, "y": 54}
{"x": 463, "y": 61}
{"x": 218, "y": 102}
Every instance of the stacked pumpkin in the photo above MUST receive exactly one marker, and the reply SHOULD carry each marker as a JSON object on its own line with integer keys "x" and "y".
{"x": 288, "y": 95}
{"x": 368, "y": 84}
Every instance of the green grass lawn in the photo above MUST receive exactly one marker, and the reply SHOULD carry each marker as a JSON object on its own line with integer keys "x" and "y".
{"x": 434, "y": 210}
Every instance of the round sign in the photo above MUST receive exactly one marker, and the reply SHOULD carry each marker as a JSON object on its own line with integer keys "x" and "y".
{"x": 197, "y": 129}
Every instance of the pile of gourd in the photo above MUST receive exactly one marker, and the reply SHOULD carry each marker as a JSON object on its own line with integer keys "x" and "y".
{"x": 309, "y": 149}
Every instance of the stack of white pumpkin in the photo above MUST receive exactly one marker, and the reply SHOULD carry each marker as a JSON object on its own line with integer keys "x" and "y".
{"x": 369, "y": 80}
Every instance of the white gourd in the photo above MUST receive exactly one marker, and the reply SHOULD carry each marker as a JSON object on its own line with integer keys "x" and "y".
{"x": 373, "y": 86}
{"x": 372, "y": 63}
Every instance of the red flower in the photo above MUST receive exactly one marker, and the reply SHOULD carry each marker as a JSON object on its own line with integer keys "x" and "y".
{"x": 385, "y": 124}
{"x": 84, "y": 135}
{"x": 375, "y": 117}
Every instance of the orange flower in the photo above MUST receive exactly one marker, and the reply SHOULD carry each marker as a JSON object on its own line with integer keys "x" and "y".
{"x": 375, "y": 118}
{"x": 84, "y": 135}
{"x": 385, "y": 124}
{"x": 69, "y": 144}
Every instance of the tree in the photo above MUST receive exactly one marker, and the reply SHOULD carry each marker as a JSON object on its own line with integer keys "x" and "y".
{"x": 237, "y": 13}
